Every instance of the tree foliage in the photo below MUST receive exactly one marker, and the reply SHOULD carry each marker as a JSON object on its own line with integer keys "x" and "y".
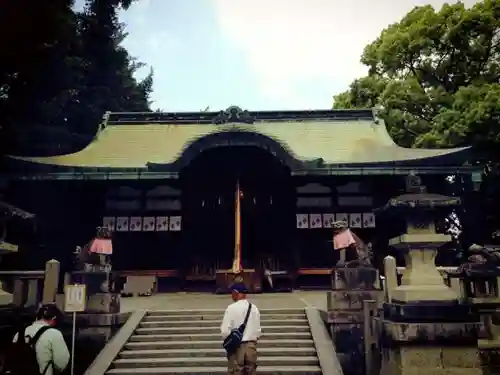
{"x": 435, "y": 76}
{"x": 60, "y": 70}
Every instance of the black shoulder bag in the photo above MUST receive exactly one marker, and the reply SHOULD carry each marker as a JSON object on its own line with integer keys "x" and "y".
{"x": 233, "y": 341}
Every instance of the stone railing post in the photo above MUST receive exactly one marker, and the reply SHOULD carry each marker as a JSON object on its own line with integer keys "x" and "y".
{"x": 18, "y": 296}
{"x": 32, "y": 289}
{"x": 369, "y": 336}
{"x": 51, "y": 281}
{"x": 391, "y": 277}
{"x": 346, "y": 314}
{"x": 67, "y": 279}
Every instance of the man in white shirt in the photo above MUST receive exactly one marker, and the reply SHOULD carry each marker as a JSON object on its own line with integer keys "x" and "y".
{"x": 244, "y": 360}
{"x": 51, "y": 351}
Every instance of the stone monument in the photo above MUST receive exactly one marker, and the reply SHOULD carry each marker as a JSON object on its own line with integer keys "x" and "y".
{"x": 479, "y": 282}
{"x": 93, "y": 268}
{"x": 353, "y": 282}
{"x": 424, "y": 324}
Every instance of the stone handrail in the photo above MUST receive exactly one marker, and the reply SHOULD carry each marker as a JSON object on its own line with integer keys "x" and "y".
{"x": 391, "y": 272}
{"x": 26, "y": 285}
{"x": 107, "y": 355}
{"x": 398, "y": 271}
{"x": 29, "y": 274}
{"x": 442, "y": 270}
{"x": 325, "y": 348}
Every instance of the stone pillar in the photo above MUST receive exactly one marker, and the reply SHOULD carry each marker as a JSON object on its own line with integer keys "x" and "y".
{"x": 32, "y": 298}
{"x": 51, "y": 281}
{"x": 391, "y": 277}
{"x": 67, "y": 278}
{"x": 18, "y": 297}
{"x": 351, "y": 287}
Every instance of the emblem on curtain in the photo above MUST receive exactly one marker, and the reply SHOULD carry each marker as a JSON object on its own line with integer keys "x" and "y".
{"x": 122, "y": 224}
{"x": 161, "y": 223}
{"x": 109, "y": 222}
{"x": 175, "y": 223}
{"x": 148, "y": 224}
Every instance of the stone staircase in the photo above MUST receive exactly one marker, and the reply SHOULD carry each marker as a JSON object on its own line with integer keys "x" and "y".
{"x": 188, "y": 342}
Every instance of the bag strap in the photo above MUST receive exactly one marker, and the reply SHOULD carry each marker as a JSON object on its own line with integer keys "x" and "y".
{"x": 35, "y": 339}
{"x": 247, "y": 315}
{"x": 46, "y": 368}
{"x": 38, "y": 334}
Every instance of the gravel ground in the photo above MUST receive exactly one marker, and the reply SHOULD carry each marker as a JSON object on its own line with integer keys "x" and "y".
{"x": 175, "y": 301}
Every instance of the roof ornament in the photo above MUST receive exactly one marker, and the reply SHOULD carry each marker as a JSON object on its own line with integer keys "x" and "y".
{"x": 413, "y": 183}
{"x": 233, "y": 114}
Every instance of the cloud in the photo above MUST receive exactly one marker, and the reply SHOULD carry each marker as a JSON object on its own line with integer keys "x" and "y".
{"x": 288, "y": 43}
{"x": 140, "y": 12}
{"x": 148, "y": 39}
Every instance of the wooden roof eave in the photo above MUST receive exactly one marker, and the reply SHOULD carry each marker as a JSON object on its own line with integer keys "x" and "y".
{"x": 8, "y": 248}
{"x": 453, "y": 158}
{"x": 14, "y": 211}
{"x": 118, "y": 174}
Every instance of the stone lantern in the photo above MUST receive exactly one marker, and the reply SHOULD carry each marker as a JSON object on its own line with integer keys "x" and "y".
{"x": 9, "y": 213}
{"x": 421, "y": 280}
{"x": 423, "y": 317}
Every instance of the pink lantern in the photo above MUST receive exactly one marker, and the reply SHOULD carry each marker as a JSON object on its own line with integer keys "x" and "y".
{"x": 343, "y": 239}
{"x": 101, "y": 246}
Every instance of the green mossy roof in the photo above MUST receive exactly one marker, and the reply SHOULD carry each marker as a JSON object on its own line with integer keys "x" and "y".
{"x": 336, "y": 141}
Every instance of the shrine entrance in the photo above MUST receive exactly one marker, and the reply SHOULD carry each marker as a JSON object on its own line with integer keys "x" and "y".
{"x": 267, "y": 213}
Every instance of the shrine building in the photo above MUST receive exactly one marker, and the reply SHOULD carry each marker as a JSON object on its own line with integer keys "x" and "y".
{"x": 165, "y": 183}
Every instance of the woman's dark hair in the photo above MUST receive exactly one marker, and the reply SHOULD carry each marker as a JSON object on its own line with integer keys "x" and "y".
{"x": 48, "y": 312}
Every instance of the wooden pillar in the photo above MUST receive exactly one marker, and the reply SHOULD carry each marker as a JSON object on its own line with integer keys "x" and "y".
{"x": 51, "y": 282}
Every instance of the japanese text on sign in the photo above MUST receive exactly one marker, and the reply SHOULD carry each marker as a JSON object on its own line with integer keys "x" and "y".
{"x": 75, "y": 298}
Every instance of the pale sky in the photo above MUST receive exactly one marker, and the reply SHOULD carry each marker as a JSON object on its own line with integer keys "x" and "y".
{"x": 259, "y": 54}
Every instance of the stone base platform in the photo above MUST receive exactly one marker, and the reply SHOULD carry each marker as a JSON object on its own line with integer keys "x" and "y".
{"x": 428, "y": 311}
{"x": 430, "y": 348}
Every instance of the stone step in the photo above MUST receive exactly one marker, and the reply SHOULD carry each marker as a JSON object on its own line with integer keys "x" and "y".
{"x": 211, "y": 361}
{"x": 220, "y": 370}
{"x": 212, "y": 337}
{"x": 219, "y": 353}
{"x": 198, "y": 317}
{"x": 216, "y": 323}
{"x": 220, "y": 312}
{"x": 215, "y": 344}
{"x": 215, "y": 330}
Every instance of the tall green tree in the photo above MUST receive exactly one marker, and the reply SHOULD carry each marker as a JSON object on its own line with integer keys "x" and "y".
{"x": 435, "y": 76}
{"x": 60, "y": 70}
{"x": 36, "y": 44}
{"x": 107, "y": 82}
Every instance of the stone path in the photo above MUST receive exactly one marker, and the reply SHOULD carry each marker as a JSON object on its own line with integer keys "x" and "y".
{"x": 175, "y": 301}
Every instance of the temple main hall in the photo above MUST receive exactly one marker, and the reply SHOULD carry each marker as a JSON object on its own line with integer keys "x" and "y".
{"x": 181, "y": 190}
